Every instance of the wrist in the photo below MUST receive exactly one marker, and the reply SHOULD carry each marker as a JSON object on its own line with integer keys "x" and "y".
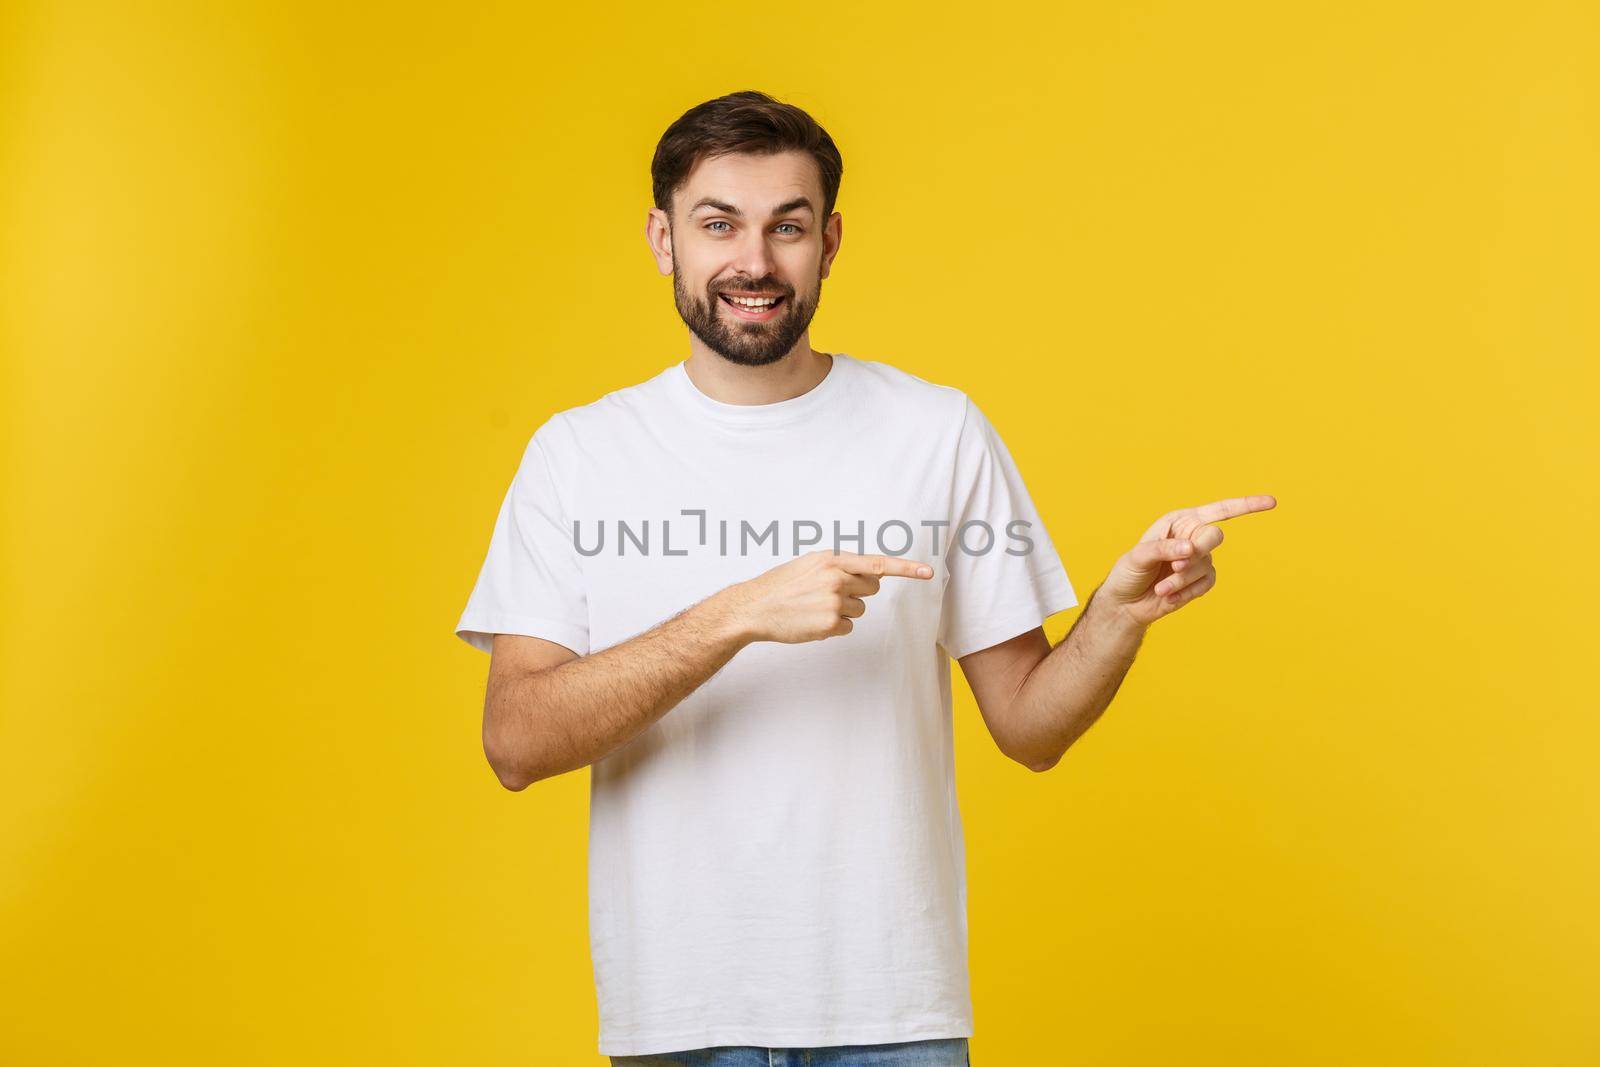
{"x": 1115, "y": 616}
{"x": 726, "y": 620}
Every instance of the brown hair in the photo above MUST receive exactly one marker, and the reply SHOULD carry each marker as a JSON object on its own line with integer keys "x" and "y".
{"x": 747, "y": 121}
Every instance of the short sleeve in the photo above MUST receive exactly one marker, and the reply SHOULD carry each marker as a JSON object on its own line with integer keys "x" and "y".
{"x": 531, "y": 582}
{"x": 1005, "y": 575}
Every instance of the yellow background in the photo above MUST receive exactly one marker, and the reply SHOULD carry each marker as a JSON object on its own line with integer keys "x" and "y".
{"x": 286, "y": 289}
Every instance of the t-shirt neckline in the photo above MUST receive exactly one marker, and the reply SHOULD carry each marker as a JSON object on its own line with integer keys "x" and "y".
{"x": 783, "y": 411}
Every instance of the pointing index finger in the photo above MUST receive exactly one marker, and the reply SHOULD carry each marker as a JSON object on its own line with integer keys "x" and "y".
{"x": 856, "y": 563}
{"x": 1233, "y": 507}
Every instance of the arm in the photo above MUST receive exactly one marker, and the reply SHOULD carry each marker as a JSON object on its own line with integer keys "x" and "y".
{"x": 1037, "y": 701}
{"x": 548, "y": 710}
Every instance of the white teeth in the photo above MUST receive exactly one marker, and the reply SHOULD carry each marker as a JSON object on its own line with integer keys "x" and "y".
{"x": 753, "y": 302}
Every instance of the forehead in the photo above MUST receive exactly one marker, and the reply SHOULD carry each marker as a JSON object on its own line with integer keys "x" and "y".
{"x": 753, "y": 183}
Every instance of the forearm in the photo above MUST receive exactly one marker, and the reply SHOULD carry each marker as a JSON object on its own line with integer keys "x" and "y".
{"x": 555, "y": 720}
{"x": 1069, "y": 689}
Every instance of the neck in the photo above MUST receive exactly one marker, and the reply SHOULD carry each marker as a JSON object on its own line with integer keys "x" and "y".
{"x": 796, "y": 373}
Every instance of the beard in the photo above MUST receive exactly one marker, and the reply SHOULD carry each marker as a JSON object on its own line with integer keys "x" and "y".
{"x": 750, "y": 344}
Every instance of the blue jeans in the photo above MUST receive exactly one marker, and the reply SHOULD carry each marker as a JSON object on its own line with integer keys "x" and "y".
{"x": 940, "y": 1052}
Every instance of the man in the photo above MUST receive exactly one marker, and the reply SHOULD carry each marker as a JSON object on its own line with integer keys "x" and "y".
{"x": 676, "y": 594}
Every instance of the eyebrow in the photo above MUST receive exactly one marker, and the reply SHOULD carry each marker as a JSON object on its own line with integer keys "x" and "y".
{"x": 782, "y": 209}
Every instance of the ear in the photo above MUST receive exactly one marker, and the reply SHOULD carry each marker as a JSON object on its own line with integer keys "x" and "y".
{"x": 831, "y": 234}
{"x": 658, "y": 231}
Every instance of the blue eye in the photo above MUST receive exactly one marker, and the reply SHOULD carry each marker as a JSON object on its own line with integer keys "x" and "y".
{"x": 793, "y": 229}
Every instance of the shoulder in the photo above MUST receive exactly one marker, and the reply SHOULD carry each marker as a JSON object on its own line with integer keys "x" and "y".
{"x": 887, "y": 387}
{"x": 603, "y": 418}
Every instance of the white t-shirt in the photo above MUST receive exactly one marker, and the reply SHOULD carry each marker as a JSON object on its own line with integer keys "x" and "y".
{"x": 778, "y": 860}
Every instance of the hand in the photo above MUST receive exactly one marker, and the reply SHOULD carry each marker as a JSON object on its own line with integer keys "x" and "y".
{"x": 813, "y": 596}
{"x": 1172, "y": 563}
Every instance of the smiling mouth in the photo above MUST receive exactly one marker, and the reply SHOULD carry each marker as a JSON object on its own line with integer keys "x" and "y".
{"x": 755, "y": 308}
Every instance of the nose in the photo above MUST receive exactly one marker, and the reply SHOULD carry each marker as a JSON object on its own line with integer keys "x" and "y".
{"x": 753, "y": 257}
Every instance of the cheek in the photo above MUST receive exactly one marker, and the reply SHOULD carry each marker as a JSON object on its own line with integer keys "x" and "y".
{"x": 695, "y": 267}
{"x": 804, "y": 275}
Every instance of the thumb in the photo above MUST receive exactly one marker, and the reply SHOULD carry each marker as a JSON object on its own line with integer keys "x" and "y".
{"x": 1146, "y": 557}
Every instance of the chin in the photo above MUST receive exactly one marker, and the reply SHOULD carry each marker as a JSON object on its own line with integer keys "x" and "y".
{"x": 747, "y": 359}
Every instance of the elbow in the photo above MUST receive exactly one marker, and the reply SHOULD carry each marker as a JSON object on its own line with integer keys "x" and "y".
{"x": 514, "y": 780}
{"x": 511, "y": 772}
{"x": 511, "y": 776}
{"x": 509, "y": 742}
{"x": 1040, "y": 765}
{"x": 504, "y": 772}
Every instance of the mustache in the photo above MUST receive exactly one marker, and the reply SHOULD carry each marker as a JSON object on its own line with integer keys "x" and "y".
{"x": 756, "y": 290}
